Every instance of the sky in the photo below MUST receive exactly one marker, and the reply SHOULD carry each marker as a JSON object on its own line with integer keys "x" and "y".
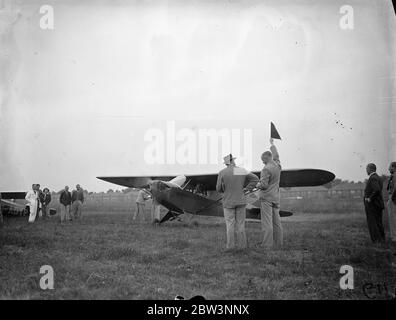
{"x": 79, "y": 100}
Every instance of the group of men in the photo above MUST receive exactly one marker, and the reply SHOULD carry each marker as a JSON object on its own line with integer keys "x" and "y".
{"x": 234, "y": 182}
{"x": 374, "y": 203}
{"x": 38, "y": 201}
{"x": 71, "y": 204}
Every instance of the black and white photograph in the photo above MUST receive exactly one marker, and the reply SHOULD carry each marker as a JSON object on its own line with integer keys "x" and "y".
{"x": 204, "y": 150}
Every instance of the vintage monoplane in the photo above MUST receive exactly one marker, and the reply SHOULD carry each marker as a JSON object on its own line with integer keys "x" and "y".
{"x": 195, "y": 194}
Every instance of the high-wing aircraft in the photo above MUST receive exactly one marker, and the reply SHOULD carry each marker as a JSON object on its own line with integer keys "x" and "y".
{"x": 9, "y": 205}
{"x": 195, "y": 194}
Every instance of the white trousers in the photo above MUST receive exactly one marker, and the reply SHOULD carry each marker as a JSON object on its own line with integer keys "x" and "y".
{"x": 155, "y": 212}
{"x": 33, "y": 210}
{"x": 139, "y": 212}
{"x": 271, "y": 225}
{"x": 235, "y": 226}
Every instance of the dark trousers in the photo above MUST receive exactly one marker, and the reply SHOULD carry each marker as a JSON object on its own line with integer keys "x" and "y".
{"x": 44, "y": 210}
{"x": 374, "y": 222}
{"x": 38, "y": 210}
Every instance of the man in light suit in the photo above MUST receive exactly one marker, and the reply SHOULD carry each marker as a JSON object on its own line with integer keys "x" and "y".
{"x": 141, "y": 199}
{"x": 374, "y": 204}
{"x": 32, "y": 197}
{"x": 232, "y": 181}
{"x": 77, "y": 198}
{"x": 270, "y": 198}
{"x": 391, "y": 204}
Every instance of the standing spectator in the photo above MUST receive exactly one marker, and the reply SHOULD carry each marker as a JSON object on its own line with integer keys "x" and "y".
{"x": 45, "y": 199}
{"x": 374, "y": 204}
{"x": 39, "y": 193}
{"x": 270, "y": 198}
{"x": 141, "y": 203}
{"x": 391, "y": 188}
{"x": 231, "y": 181}
{"x": 155, "y": 211}
{"x": 32, "y": 198}
{"x": 65, "y": 201}
{"x": 77, "y": 202}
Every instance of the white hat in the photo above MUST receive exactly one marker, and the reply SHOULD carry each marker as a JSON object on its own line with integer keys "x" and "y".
{"x": 228, "y": 158}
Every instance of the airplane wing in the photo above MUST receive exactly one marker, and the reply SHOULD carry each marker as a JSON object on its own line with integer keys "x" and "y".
{"x": 10, "y": 207}
{"x": 13, "y": 195}
{"x": 135, "y": 181}
{"x": 13, "y": 204}
{"x": 304, "y": 177}
{"x": 289, "y": 178}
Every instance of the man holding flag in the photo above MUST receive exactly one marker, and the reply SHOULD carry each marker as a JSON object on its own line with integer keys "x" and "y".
{"x": 270, "y": 195}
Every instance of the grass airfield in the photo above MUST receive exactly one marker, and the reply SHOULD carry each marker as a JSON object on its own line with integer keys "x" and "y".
{"x": 107, "y": 256}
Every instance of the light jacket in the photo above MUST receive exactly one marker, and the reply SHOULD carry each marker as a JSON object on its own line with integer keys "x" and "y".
{"x": 141, "y": 197}
{"x": 270, "y": 178}
{"x": 32, "y": 198}
{"x": 231, "y": 181}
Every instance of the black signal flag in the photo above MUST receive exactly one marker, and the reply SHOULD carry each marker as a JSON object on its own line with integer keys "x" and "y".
{"x": 274, "y": 132}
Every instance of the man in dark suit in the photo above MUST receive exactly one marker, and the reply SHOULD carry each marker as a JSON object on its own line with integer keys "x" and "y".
{"x": 45, "y": 199}
{"x": 374, "y": 204}
{"x": 65, "y": 202}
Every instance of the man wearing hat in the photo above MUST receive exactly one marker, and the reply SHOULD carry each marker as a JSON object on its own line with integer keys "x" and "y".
{"x": 270, "y": 198}
{"x": 77, "y": 200}
{"x": 374, "y": 204}
{"x": 232, "y": 181}
{"x": 32, "y": 197}
{"x": 141, "y": 199}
